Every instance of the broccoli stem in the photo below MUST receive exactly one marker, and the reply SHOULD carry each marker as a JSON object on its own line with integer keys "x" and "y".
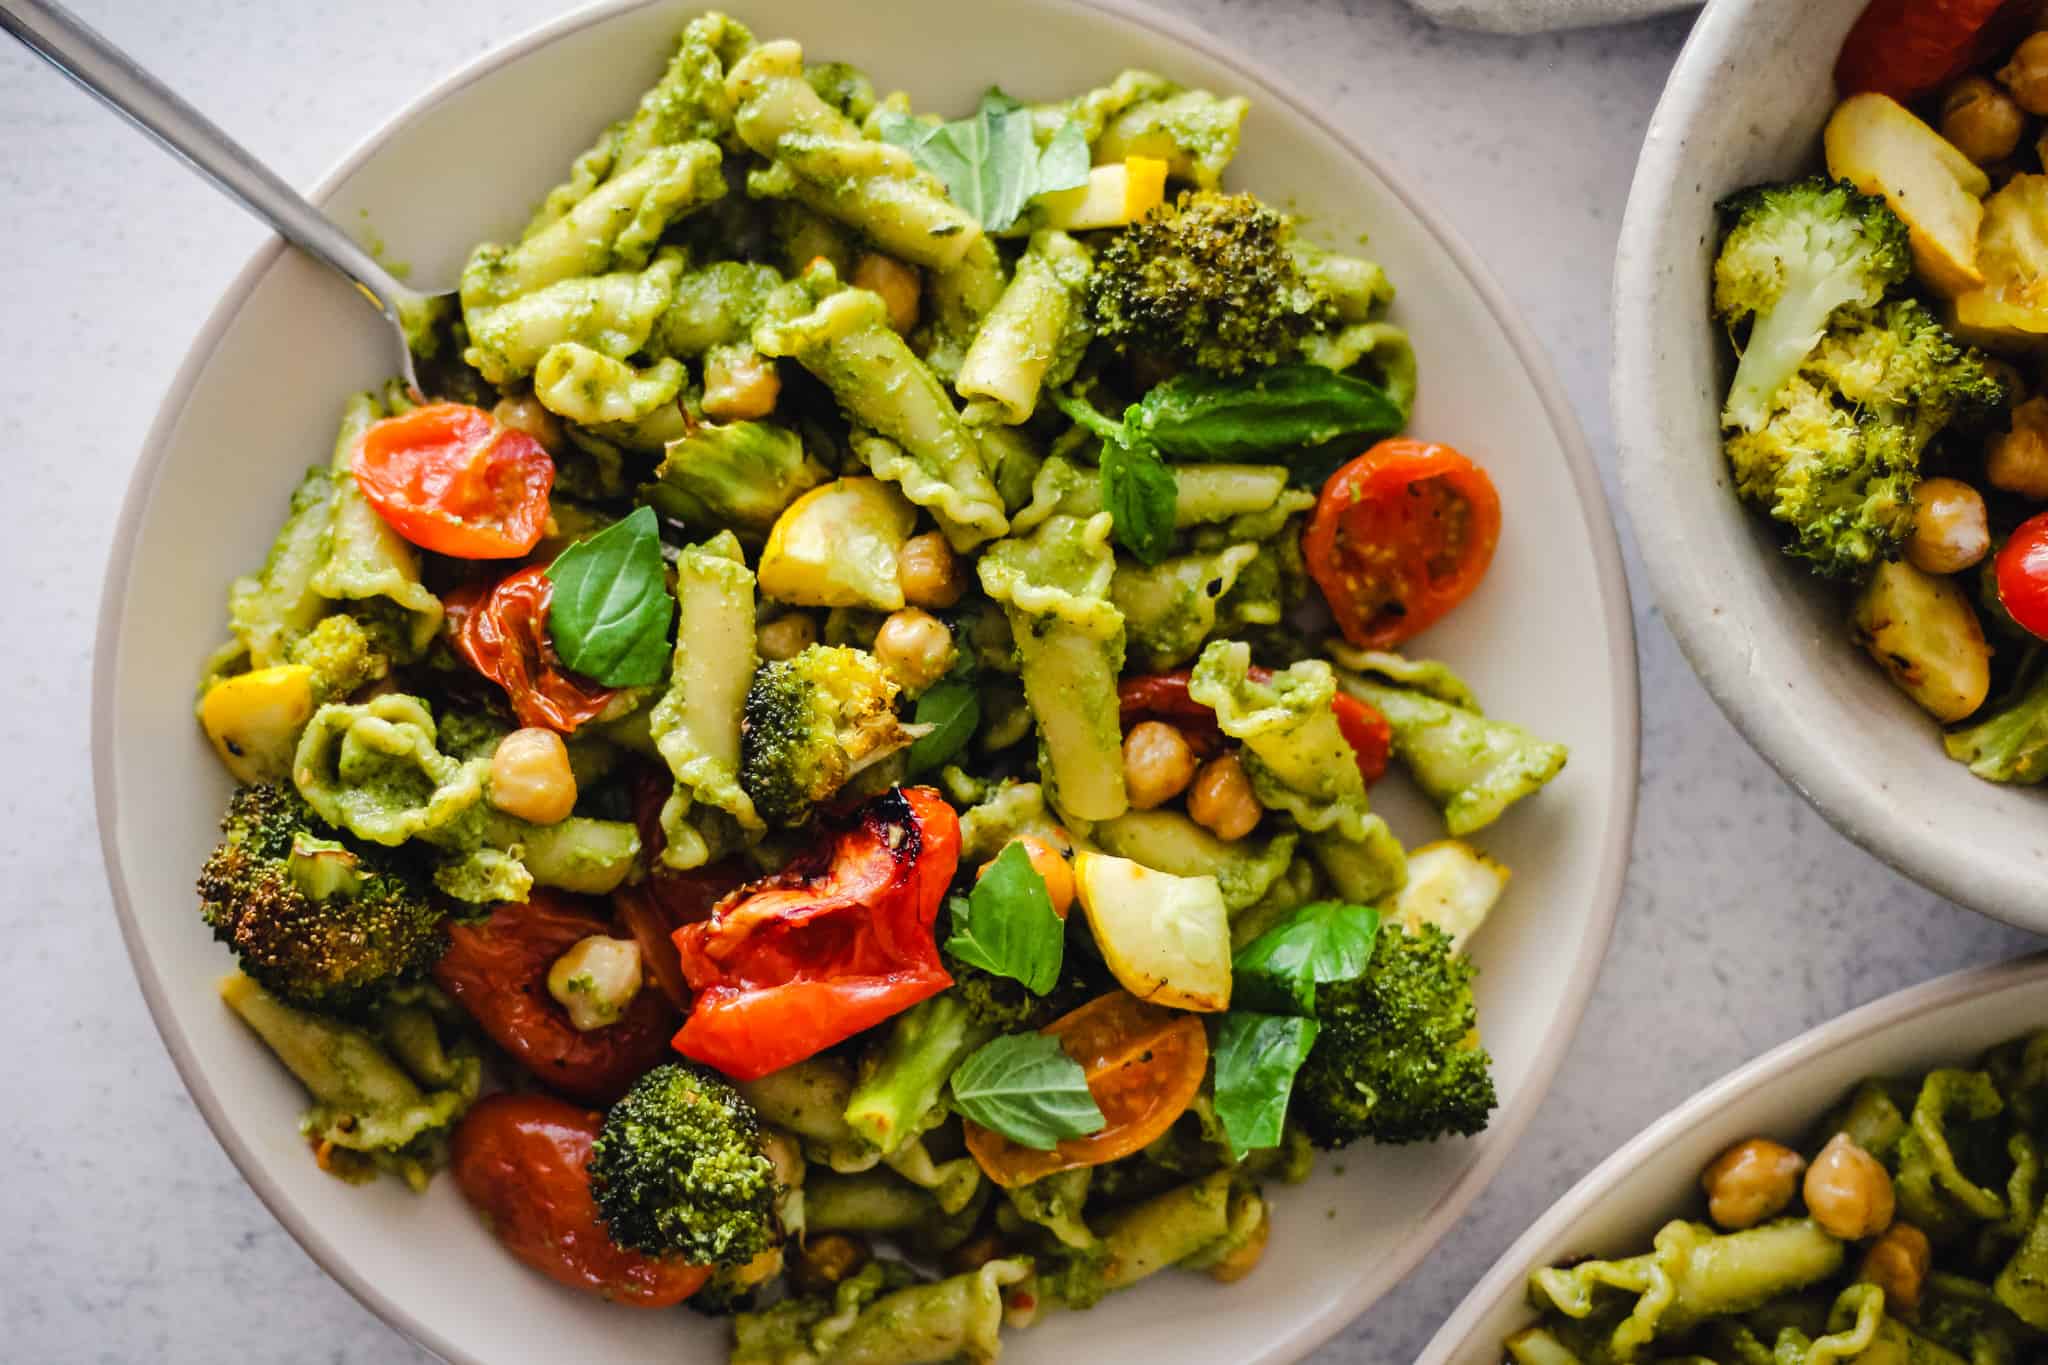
{"x": 925, "y": 1044}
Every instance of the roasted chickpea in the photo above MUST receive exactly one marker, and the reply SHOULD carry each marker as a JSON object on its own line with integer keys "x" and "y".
{"x": 740, "y": 384}
{"x": 1981, "y": 120}
{"x": 2017, "y": 460}
{"x": 1158, "y": 765}
{"x": 897, "y": 283}
{"x": 915, "y": 647}
{"x": 824, "y": 1260}
{"x": 530, "y": 776}
{"x": 1898, "y": 1263}
{"x": 2026, "y": 74}
{"x": 596, "y": 980}
{"x": 1750, "y": 1182}
{"x": 785, "y": 637}
{"x": 1951, "y": 530}
{"x": 1242, "y": 1259}
{"x": 1221, "y": 799}
{"x": 526, "y": 414}
{"x": 1848, "y": 1191}
{"x": 929, "y": 571}
{"x": 1049, "y": 863}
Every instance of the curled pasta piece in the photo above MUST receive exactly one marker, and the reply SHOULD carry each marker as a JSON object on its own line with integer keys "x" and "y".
{"x": 612, "y": 314}
{"x": 590, "y": 388}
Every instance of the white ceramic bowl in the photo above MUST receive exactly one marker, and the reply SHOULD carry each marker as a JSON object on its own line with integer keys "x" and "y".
{"x": 1547, "y": 639}
{"x": 1746, "y": 103}
{"x": 1626, "y": 1198}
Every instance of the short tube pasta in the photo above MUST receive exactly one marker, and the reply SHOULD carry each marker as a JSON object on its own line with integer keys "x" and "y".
{"x": 1033, "y": 336}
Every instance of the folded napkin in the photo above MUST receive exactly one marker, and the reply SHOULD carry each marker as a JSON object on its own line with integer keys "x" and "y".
{"x": 1536, "y": 16}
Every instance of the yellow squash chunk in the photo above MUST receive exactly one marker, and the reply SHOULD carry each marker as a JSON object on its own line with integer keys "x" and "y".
{"x": 1925, "y": 634}
{"x": 2011, "y": 308}
{"x": 1114, "y": 195}
{"x": 1451, "y": 885}
{"x": 1876, "y": 144}
{"x": 837, "y": 545}
{"x": 254, "y": 720}
{"x": 1166, "y": 939}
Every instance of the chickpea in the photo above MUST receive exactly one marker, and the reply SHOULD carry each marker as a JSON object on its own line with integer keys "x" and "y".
{"x": 740, "y": 384}
{"x": 2017, "y": 460}
{"x": 929, "y": 571}
{"x": 1750, "y": 1182}
{"x": 596, "y": 980}
{"x": 1848, "y": 1191}
{"x": 1221, "y": 799}
{"x": 1049, "y": 863}
{"x": 1950, "y": 528}
{"x": 1158, "y": 765}
{"x": 974, "y": 1253}
{"x": 785, "y": 1156}
{"x": 1898, "y": 1263}
{"x": 823, "y": 1261}
{"x": 2026, "y": 74}
{"x": 897, "y": 283}
{"x": 530, "y": 776}
{"x": 526, "y": 414}
{"x": 915, "y": 647}
{"x": 786, "y": 636}
{"x": 1981, "y": 120}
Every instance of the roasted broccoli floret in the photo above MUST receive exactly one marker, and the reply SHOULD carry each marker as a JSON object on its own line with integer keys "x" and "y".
{"x": 678, "y": 1168}
{"x": 1395, "y": 1060}
{"x": 904, "y": 1084}
{"x": 740, "y": 476}
{"x": 316, "y": 920}
{"x": 1791, "y": 256}
{"x": 1207, "y": 281}
{"x": 342, "y": 654}
{"x": 810, "y": 723}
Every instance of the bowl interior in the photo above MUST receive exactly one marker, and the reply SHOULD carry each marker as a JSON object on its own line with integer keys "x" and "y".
{"x": 1615, "y": 1209}
{"x": 1746, "y": 103}
{"x": 1546, "y": 640}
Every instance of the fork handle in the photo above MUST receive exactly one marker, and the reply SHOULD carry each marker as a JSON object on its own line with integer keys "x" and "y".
{"x": 111, "y": 76}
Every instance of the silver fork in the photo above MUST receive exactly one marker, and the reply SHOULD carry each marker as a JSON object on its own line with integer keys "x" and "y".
{"x": 61, "y": 39}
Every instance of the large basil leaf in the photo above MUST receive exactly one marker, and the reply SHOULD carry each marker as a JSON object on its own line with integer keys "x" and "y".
{"x": 1007, "y": 925}
{"x": 1027, "y": 1089}
{"x": 610, "y": 614}
{"x": 1257, "y": 1056}
{"x": 1322, "y": 942}
{"x": 991, "y": 163}
{"x": 1140, "y": 493}
{"x": 1270, "y": 417}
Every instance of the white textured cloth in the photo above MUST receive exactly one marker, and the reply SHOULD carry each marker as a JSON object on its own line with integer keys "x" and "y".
{"x": 1537, "y": 16}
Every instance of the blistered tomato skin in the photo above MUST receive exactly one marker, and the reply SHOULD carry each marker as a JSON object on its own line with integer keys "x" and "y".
{"x": 1910, "y": 48}
{"x": 450, "y": 479}
{"x": 519, "y": 1160}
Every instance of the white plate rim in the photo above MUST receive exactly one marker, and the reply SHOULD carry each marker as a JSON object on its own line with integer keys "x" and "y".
{"x": 1508, "y": 1124}
{"x": 1929, "y": 997}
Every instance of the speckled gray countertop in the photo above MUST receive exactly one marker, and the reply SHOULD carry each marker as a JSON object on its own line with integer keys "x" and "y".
{"x": 126, "y": 1236}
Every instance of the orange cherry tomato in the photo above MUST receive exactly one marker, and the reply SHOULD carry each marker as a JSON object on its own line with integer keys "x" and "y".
{"x": 503, "y": 632}
{"x": 1144, "y": 1064}
{"x": 1909, "y": 48}
{"x": 519, "y": 1160}
{"x": 1164, "y": 696}
{"x": 1401, "y": 535}
{"x": 450, "y": 479}
{"x": 497, "y": 970}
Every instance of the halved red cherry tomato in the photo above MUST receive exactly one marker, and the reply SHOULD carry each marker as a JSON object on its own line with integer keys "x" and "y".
{"x": 503, "y": 632}
{"x": 498, "y": 971}
{"x": 2022, "y": 570}
{"x": 1144, "y": 1064}
{"x": 1164, "y": 696}
{"x": 1402, "y": 535}
{"x": 450, "y": 479}
{"x": 1909, "y": 48}
{"x": 836, "y": 942}
{"x": 519, "y": 1160}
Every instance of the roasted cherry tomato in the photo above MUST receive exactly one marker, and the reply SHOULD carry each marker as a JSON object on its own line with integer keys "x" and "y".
{"x": 450, "y": 479}
{"x": 1401, "y": 535}
{"x": 503, "y": 632}
{"x": 1144, "y": 1064}
{"x": 498, "y": 971}
{"x": 835, "y": 943}
{"x": 2022, "y": 570}
{"x": 1164, "y": 696}
{"x": 519, "y": 1161}
{"x": 1909, "y": 48}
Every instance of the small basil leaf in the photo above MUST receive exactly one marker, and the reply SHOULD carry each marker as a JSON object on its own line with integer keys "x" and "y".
{"x": 990, "y": 163}
{"x": 1007, "y": 925}
{"x": 1277, "y": 415}
{"x": 610, "y": 613}
{"x": 1257, "y": 1056}
{"x": 1026, "y": 1088}
{"x": 1323, "y": 942}
{"x": 1063, "y": 165}
{"x": 952, "y": 707}
{"x": 1140, "y": 493}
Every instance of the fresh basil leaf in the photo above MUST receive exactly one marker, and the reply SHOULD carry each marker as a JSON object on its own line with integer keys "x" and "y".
{"x": 611, "y": 609}
{"x": 1279, "y": 415}
{"x": 1257, "y": 1056}
{"x": 1029, "y": 1090}
{"x": 1007, "y": 925}
{"x": 1320, "y": 943}
{"x": 1140, "y": 493}
{"x": 990, "y": 163}
{"x": 952, "y": 707}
